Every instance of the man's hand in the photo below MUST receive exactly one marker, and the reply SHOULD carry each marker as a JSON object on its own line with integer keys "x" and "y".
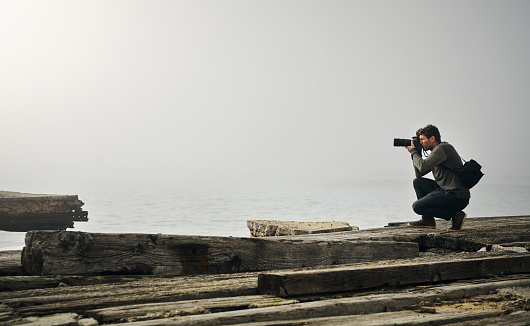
{"x": 409, "y": 148}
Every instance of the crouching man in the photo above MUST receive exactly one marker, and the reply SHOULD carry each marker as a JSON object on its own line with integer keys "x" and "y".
{"x": 445, "y": 196}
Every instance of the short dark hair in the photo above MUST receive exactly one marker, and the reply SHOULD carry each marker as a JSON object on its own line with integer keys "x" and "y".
{"x": 429, "y": 131}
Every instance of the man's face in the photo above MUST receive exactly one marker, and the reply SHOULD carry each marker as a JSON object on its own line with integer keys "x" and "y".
{"x": 428, "y": 143}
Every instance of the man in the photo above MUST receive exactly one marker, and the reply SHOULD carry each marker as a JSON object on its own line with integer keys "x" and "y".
{"x": 445, "y": 196}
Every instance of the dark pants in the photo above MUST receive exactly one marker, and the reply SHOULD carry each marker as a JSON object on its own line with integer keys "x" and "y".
{"x": 433, "y": 201}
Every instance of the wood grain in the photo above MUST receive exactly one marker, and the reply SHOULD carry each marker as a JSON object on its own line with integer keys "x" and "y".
{"x": 354, "y": 278}
{"x": 79, "y": 253}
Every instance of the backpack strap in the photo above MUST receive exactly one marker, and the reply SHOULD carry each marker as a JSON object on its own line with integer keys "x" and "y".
{"x": 449, "y": 169}
{"x": 457, "y": 172}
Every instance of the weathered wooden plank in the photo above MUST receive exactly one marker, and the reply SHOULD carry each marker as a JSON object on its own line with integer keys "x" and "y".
{"x": 16, "y": 203}
{"x": 17, "y": 283}
{"x": 7, "y": 315}
{"x": 81, "y": 299}
{"x": 371, "y": 305}
{"x": 478, "y": 232}
{"x": 182, "y": 308}
{"x": 158, "y": 289}
{"x": 23, "y": 212}
{"x": 42, "y": 221}
{"x": 10, "y": 263}
{"x": 81, "y": 253}
{"x": 148, "y": 290}
{"x": 519, "y": 318}
{"x": 409, "y": 318}
{"x": 313, "y": 309}
{"x": 363, "y": 304}
{"x": 65, "y": 319}
{"x": 354, "y": 278}
{"x": 267, "y": 228}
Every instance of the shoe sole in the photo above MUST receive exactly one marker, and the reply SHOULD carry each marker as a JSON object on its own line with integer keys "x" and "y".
{"x": 461, "y": 225}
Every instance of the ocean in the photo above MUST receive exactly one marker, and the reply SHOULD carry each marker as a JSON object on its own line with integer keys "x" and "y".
{"x": 222, "y": 208}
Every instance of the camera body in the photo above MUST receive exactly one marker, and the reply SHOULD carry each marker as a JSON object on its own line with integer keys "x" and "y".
{"x": 407, "y": 142}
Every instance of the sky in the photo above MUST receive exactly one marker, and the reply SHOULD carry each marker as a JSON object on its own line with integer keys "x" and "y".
{"x": 174, "y": 90}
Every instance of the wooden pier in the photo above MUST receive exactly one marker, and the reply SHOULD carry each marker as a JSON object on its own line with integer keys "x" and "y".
{"x": 477, "y": 276}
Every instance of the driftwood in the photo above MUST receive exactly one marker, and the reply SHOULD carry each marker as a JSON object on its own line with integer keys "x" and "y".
{"x": 66, "y": 319}
{"x": 326, "y": 312}
{"x": 478, "y": 232}
{"x": 80, "y": 299}
{"x": 79, "y": 253}
{"x": 10, "y": 263}
{"x": 267, "y": 228}
{"x": 355, "y": 278}
{"x": 182, "y": 308}
{"x": 234, "y": 299}
{"x": 305, "y": 317}
{"x": 408, "y": 318}
{"x": 92, "y": 253}
{"x": 167, "y": 300}
{"x": 23, "y": 212}
{"x": 17, "y": 283}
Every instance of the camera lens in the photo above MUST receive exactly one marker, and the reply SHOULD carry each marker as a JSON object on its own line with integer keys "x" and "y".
{"x": 402, "y": 142}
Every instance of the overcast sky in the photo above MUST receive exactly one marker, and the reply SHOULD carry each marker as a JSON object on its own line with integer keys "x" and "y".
{"x": 233, "y": 88}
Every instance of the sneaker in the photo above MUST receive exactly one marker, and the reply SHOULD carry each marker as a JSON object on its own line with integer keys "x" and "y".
{"x": 458, "y": 221}
{"x": 431, "y": 224}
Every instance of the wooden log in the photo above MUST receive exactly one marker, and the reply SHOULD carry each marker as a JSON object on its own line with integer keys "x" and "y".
{"x": 22, "y": 212}
{"x": 380, "y": 319}
{"x": 17, "y": 283}
{"x": 328, "y": 311}
{"x": 355, "y": 278}
{"x": 16, "y": 203}
{"x": 10, "y": 263}
{"x": 367, "y": 304}
{"x": 79, "y": 253}
{"x": 182, "y": 308}
{"x": 65, "y": 319}
{"x": 478, "y": 232}
{"x": 267, "y": 228}
{"x": 519, "y": 318}
{"x": 305, "y": 311}
{"x": 400, "y": 318}
{"x": 80, "y": 299}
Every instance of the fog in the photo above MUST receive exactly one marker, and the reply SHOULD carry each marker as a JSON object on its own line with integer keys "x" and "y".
{"x": 207, "y": 90}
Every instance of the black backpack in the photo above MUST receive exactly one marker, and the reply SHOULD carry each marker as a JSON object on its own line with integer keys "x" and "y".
{"x": 469, "y": 174}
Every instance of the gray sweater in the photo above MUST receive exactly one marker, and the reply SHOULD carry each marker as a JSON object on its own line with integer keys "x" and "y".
{"x": 442, "y": 153}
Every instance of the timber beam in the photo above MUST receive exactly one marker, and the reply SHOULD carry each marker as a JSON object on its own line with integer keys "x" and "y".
{"x": 364, "y": 277}
{"x": 81, "y": 253}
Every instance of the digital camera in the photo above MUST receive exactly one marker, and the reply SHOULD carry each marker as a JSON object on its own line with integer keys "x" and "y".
{"x": 407, "y": 142}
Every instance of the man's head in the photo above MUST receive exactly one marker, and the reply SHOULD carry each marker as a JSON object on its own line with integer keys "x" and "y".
{"x": 429, "y": 137}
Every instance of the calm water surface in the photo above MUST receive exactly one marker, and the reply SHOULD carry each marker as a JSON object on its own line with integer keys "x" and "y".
{"x": 223, "y": 209}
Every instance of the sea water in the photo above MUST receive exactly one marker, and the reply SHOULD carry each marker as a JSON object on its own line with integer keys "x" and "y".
{"x": 222, "y": 209}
